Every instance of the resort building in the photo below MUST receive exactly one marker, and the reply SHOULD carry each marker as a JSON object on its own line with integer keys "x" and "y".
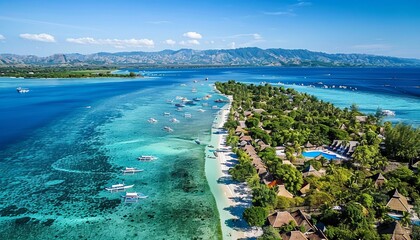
{"x": 305, "y": 189}
{"x": 279, "y": 219}
{"x": 283, "y": 192}
{"x": 294, "y": 235}
{"x": 311, "y": 171}
{"x": 394, "y": 229}
{"x": 302, "y": 219}
{"x": 398, "y": 203}
{"x": 378, "y": 180}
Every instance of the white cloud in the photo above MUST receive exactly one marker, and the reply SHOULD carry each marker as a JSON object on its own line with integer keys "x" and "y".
{"x": 42, "y": 37}
{"x": 2, "y": 37}
{"x": 190, "y": 42}
{"x": 85, "y": 40}
{"x": 170, "y": 42}
{"x": 232, "y": 45}
{"x": 118, "y": 43}
{"x": 193, "y": 35}
{"x": 256, "y": 36}
{"x": 281, "y": 13}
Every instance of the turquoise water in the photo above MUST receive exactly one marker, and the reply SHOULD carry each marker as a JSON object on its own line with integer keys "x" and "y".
{"x": 63, "y": 142}
{"x": 313, "y": 154}
{"x": 52, "y": 182}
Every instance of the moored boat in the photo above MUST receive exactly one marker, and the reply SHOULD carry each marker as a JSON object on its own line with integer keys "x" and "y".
{"x": 132, "y": 197}
{"x": 152, "y": 120}
{"x": 168, "y": 129}
{"x": 22, "y": 90}
{"x": 146, "y": 158}
{"x": 131, "y": 170}
{"x": 118, "y": 187}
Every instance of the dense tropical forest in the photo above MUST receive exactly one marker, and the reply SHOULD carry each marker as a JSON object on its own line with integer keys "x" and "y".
{"x": 371, "y": 192}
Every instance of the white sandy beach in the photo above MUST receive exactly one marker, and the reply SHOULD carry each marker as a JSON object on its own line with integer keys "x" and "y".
{"x": 231, "y": 197}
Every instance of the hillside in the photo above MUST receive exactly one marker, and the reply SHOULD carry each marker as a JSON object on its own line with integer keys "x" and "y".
{"x": 224, "y": 57}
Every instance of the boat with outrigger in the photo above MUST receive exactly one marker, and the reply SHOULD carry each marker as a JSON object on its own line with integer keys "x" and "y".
{"x": 147, "y": 158}
{"x": 22, "y": 90}
{"x": 118, "y": 187}
{"x": 168, "y": 129}
{"x": 131, "y": 170}
{"x": 152, "y": 120}
{"x": 387, "y": 113}
{"x": 133, "y": 197}
{"x": 174, "y": 120}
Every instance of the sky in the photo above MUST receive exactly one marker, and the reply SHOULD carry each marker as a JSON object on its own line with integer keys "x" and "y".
{"x": 380, "y": 27}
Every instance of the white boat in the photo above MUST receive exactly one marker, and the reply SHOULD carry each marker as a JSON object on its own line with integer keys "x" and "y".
{"x": 388, "y": 113}
{"x": 118, "y": 187}
{"x": 169, "y": 101}
{"x": 179, "y": 109}
{"x": 152, "y": 120}
{"x": 146, "y": 158}
{"x": 194, "y": 90}
{"x": 166, "y": 114}
{"x": 201, "y": 110}
{"x": 131, "y": 170}
{"x": 183, "y": 85}
{"x": 168, "y": 129}
{"x": 197, "y": 140}
{"x": 174, "y": 120}
{"x": 22, "y": 90}
{"x": 187, "y": 115}
{"x": 215, "y": 107}
{"x": 132, "y": 197}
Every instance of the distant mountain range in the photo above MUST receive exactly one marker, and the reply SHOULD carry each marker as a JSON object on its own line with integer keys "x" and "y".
{"x": 223, "y": 57}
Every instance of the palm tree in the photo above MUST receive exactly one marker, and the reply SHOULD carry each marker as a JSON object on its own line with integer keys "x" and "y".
{"x": 405, "y": 220}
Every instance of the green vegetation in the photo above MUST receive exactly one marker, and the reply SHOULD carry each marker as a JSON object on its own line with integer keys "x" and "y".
{"x": 60, "y": 72}
{"x": 276, "y": 116}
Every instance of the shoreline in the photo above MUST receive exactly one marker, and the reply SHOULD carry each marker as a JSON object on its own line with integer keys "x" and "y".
{"x": 232, "y": 197}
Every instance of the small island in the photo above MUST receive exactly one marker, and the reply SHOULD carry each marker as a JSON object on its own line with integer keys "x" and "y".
{"x": 63, "y": 72}
{"x": 320, "y": 172}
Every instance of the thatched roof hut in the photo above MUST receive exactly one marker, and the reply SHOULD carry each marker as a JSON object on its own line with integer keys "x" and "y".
{"x": 283, "y": 192}
{"x": 278, "y": 219}
{"x": 398, "y": 203}
{"x": 378, "y": 180}
{"x": 395, "y": 229}
{"x": 294, "y": 235}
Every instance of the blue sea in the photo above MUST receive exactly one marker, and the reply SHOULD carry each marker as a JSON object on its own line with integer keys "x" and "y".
{"x": 66, "y": 140}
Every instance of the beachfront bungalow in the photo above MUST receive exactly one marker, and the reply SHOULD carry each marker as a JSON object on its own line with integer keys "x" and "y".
{"x": 279, "y": 219}
{"x": 378, "y": 180}
{"x": 293, "y": 235}
{"x": 394, "y": 229}
{"x": 282, "y": 191}
{"x": 398, "y": 203}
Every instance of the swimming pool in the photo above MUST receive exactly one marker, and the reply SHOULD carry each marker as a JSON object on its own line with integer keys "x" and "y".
{"x": 413, "y": 221}
{"x": 313, "y": 154}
